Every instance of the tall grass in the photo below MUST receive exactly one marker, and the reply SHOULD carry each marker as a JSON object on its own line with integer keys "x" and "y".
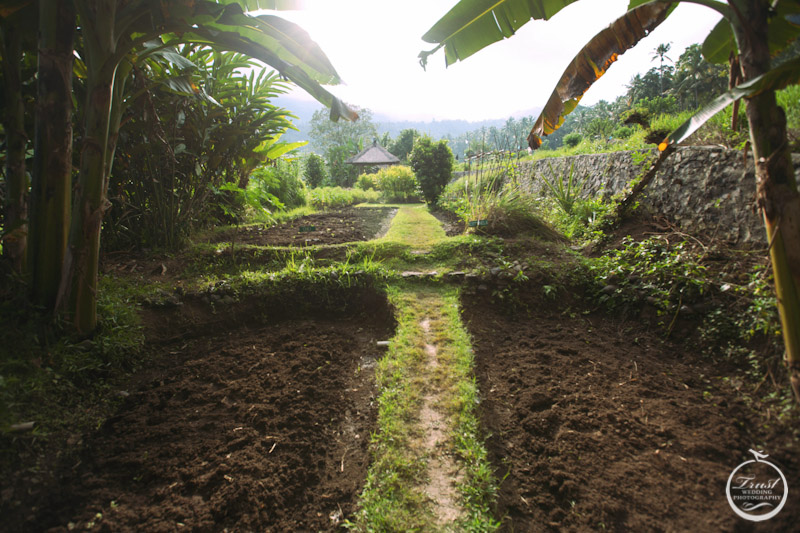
{"x": 495, "y": 195}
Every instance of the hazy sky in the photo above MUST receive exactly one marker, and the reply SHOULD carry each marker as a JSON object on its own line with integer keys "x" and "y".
{"x": 373, "y": 44}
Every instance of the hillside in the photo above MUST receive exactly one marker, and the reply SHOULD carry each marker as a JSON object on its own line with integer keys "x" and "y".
{"x": 437, "y": 129}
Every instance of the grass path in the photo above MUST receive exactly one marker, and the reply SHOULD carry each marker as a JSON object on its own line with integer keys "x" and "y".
{"x": 415, "y": 226}
{"x": 429, "y": 467}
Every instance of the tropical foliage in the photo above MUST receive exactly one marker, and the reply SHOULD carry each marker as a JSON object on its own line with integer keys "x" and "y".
{"x": 112, "y": 58}
{"x": 177, "y": 149}
{"x": 750, "y": 32}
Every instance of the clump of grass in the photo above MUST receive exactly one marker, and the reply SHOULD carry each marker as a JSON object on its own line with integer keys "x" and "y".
{"x": 493, "y": 194}
{"x": 514, "y": 212}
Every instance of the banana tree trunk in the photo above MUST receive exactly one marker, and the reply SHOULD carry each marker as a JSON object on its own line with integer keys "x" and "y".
{"x": 52, "y": 170}
{"x": 16, "y": 207}
{"x": 79, "y": 286}
{"x": 778, "y": 198}
{"x": 78, "y": 290}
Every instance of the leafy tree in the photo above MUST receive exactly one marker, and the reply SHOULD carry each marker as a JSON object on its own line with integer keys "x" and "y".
{"x": 324, "y": 134}
{"x": 696, "y": 80}
{"x": 339, "y": 141}
{"x": 432, "y": 163}
{"x": 179, "y": 147}
{"x": 314, "y": 171}
{"x": 403, "y": 144}
{"x": 572, "y": 140}
{"x": 343, "y": 174}
{"x": 750, "y": 31}
{"x": 644, "y": 86}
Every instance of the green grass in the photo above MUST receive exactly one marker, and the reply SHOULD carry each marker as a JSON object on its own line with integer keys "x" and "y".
{"x": 64, "y": 384}
{"x": 393, "y": 499}
{"x": 416, "y": 227}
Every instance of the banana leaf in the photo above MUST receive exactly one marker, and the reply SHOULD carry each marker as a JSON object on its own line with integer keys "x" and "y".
{"x": 279, "y": 43}
{"x": 782, "y": 30}
{"x": 593, "y": 61}
{"x": 472, "y": 25}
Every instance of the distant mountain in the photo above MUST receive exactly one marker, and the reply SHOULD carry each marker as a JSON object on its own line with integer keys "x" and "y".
{"x": 437, "y": 129}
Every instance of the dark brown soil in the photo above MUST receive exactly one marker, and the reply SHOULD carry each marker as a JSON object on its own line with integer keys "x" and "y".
{"x": 451, "y": 223}
{"x": 250, "y": 429}
{"x": 599, "y": 425}
{"x": 330, "y": 227}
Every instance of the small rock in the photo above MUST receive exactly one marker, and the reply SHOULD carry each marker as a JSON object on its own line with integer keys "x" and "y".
{"x": 495, "y": 271}
{"x": 686, "y": 310}
{"x": 609, "y": 289}
{"x": 483, "y": 287}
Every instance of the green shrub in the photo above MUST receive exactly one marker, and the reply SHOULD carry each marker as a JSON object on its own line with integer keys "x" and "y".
{"x": 432, "y": 162}
{"x": 366, "y": 182}
{"x": 397, "y": 184}
{"x": 279, "y": 186}
{"x": 337, "y": 197}
{"x": 572, "y": 140}
{"x": 314, "y": 170}
{"x": 623, "y": 132}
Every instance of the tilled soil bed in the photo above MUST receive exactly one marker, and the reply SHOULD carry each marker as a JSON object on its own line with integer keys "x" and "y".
{"x": 251, "y": 429}
{"x": 329, "y": 227}
{"x": 599, "y": 425}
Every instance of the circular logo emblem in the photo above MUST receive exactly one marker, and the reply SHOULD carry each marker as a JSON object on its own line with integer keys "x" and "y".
{"x": 757, "y": 489}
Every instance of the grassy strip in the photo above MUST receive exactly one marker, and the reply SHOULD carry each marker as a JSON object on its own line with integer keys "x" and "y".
{"x": 479, "y": 489}
{"x": 415, "y": 226}
{"x": 392, "y": 499}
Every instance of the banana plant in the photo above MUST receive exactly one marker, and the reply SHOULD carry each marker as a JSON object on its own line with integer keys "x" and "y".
{"x": 750, "y": 31}
{"x": 111, "y": 32}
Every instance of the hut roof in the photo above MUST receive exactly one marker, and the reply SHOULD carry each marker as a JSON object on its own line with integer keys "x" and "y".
{"x": 373, "y": 155}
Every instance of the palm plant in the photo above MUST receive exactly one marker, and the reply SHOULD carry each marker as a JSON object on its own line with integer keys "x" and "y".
{"x": 750, "y": 31}
{"x": 660, "y": 53}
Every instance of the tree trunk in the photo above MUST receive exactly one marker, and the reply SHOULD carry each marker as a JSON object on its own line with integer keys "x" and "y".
{"x": 78, "y": 290}
{"x": 778, "y": 198}
{"x": 52, "y": 169}
{"x": 16, "y": 204}
{"x": 79, "y": 285}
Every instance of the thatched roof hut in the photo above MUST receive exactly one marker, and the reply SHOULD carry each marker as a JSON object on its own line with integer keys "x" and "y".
{"x": 373, "y": 156}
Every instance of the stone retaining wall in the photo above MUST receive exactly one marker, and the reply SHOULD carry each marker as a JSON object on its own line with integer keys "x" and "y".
{"x": 704, "y": 190}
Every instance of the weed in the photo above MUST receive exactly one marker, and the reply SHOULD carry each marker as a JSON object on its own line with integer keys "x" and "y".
{"x": 565, "y": 189}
